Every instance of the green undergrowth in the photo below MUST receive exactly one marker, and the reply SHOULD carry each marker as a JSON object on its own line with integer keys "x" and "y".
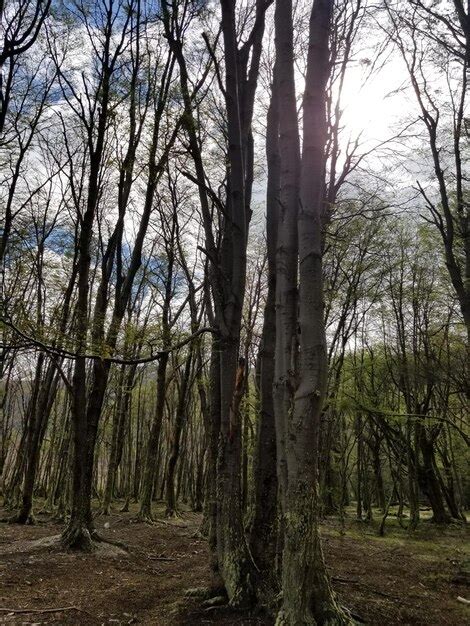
{"x": 427, "y": 540}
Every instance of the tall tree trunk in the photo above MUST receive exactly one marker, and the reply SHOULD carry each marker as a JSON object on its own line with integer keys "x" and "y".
{"x": 307, "y": 594}
{"x": 228, "y": 273}
{"x": 80, "y": 528}
{"x": 233, "y": 556}
{"x": 287, "y": 242}
{"x": 263, "y": 536}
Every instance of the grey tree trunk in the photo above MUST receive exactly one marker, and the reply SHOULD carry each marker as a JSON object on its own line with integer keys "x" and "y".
{"x": 241, "y": 73}
{"x": 180, "y": 419}
{"x": 307, "y": 594}
{"x": 263, "y": 537}
{"x": 126, "y": 383}
{"x": 287, "y": 244}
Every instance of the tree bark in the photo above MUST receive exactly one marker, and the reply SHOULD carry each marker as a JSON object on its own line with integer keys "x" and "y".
{"x": 428, "y": 480}
{"x": 119, "y": 429}
{"x": 151, "y": 456}
{"x": 287, "y": 243}
{"x": 307, "y": 594}
{"x": 180, "y": 417}
{"x": 263, "y": 536}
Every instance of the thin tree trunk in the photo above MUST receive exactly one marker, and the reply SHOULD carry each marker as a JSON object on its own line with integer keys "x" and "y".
{"x": 151, "y": 455}
{"x": 263, "y": 536}
{"x": 180, "y": 417}
{"x": 121, "y": 418}
{"x": 38, "y": 426}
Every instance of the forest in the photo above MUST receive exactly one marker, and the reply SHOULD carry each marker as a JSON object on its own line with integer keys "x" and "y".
{"x": 235, "y": 312}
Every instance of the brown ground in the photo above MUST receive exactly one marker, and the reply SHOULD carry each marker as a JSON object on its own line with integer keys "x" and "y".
{"x": 391, "y": 580}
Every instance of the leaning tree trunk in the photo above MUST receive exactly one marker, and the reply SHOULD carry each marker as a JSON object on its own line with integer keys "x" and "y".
{"x": 379, "y": 482}
{"x": 449, "y": 486}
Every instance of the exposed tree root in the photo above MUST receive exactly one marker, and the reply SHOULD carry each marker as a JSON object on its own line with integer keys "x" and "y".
{"x": 203, "y": 593}
{"x": 215, "y": 601}
{"x": 112, "y": 542}
{"x": 337, "y": 618}
{"x": 354, "y": 616}
{"x": 218, "y": 607}
{"x": 83, "y": 539}
{"x": 105, "y": 511}
{"x": 145, "y": 518}
{"x": 60, "y": 517}
{"x": 30, "y": 520}
{"x": 198, "y": 535}
{"x": 331, "y": 615}
{"x": 45, "y": 510}
{"x": 173, "y": 514}
{"x": 78, "y": 538}
{"x": 206, "y": 593}
{"x": 204, "y": 527}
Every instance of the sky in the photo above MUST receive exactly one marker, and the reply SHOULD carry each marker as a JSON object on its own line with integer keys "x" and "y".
{"x": 374, "y": 108}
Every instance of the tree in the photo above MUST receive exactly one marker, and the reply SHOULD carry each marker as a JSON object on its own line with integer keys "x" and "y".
{"x": 447, "y": 36}
{"x": 228, "y": 275}
{"x": 307, "y": 596}
{"x": 264, "y": 530}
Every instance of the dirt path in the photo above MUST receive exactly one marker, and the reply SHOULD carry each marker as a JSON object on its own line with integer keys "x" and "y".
{"x": 384, "y": 581}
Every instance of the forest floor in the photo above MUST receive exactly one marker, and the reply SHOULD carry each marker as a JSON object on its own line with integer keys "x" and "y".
{"x": 396, "y": 579}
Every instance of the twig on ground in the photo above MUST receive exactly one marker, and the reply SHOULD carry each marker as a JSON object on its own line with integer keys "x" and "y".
{"x": 339, "y": 579}
{"x": 48, "y": 610}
